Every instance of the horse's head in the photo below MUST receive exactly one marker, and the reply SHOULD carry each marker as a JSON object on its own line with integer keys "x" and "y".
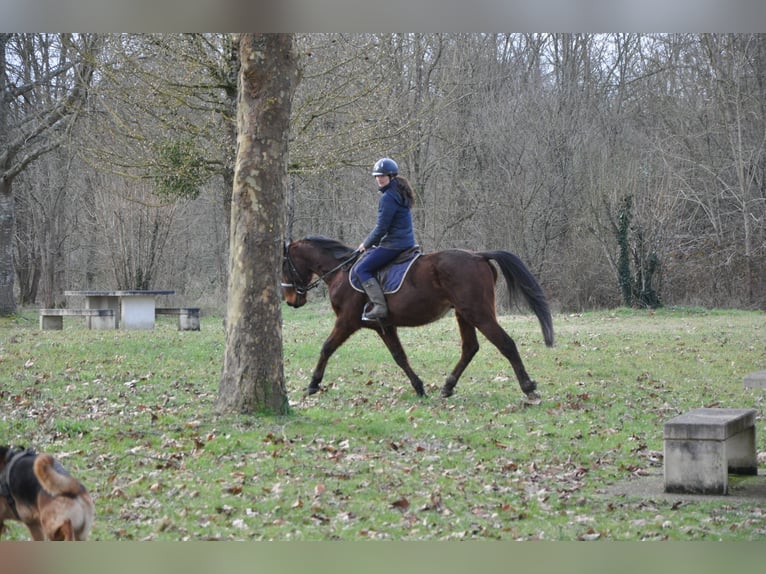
{"x": 313, "y": 256}
{"x": 295, "y": 277}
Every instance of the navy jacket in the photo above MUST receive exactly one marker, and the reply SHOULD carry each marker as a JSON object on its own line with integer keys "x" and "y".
{"x": 393, "y": 229}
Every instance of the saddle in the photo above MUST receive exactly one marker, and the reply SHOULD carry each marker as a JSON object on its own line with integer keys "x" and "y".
{"x": 389, "y": 276}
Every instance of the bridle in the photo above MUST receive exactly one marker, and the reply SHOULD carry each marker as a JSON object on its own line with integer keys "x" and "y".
{"x": 295, "y": 276}
{"x": 297, "y": 280}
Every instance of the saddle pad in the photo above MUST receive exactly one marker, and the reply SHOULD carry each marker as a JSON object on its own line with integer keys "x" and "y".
{"x": 390, "y": 276}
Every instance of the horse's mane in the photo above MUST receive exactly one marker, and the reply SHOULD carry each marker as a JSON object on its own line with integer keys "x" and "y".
{"x": 337, "y": 249}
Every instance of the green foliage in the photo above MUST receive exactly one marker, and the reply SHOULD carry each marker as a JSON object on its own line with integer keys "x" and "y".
{"x": 636, "y": 280}
{"x": 179, "y": 170}
{"x": 131, "y": 414}
{"x": 624, "y": 276}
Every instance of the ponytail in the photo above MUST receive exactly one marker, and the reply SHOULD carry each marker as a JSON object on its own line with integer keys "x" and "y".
{"x": 405, "y": 189}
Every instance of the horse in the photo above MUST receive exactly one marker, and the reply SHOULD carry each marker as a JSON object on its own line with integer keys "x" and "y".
{"x": 436, "y": 282}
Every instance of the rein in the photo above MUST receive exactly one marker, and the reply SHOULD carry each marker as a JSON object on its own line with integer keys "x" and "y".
{"x": 293, "y": 272}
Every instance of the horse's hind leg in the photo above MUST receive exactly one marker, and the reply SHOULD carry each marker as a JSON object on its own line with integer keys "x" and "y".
{"x": 470, "y": 346}
{"x": 391, "y": 339}
{"x": 492, "y": 330}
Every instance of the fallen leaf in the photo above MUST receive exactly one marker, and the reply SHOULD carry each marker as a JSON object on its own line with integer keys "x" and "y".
{"x": 589, "y": 536}
{"x": 401, "y": 504}
{"x": 436, "y": 503}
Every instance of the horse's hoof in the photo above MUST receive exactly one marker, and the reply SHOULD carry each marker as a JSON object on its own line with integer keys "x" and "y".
{"x": 312, "y": 390}
{"x": 446, "y": 393}
{"x": 532, "y": 399}
{"x": 419, "y": 389}
{"x": 529, "y": 387}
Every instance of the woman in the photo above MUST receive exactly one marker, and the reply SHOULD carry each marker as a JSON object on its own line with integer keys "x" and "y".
{"x": 392, "y": 234}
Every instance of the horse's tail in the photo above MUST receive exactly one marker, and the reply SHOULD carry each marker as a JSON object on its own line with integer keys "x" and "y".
{"x": 519, "y": 278}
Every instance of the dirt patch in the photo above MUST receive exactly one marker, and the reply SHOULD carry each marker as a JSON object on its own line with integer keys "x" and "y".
{"x": 741, "y": 488}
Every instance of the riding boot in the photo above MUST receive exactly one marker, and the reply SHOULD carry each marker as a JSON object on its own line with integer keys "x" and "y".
{"x": 378, "y": 299}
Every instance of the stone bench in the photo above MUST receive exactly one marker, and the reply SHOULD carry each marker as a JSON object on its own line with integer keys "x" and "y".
{"x": 53, "y": 319}
{"x": 703, "y": 446}
{"x": 188, "y": 317}
{"x": 755, "y": 380}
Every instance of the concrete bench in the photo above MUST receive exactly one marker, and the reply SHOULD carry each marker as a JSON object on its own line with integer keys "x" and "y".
{"x": 188, "y": 317}
{"x": 704, "y": 445}
{"x": 53, "y": 319}
{"x": 755, "y": 380}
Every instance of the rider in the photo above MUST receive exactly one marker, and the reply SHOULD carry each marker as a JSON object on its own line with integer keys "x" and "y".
{"x": 392, "y": 234}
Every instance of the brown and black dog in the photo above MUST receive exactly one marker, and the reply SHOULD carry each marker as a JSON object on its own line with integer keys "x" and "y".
{"x": 37, "y": 490}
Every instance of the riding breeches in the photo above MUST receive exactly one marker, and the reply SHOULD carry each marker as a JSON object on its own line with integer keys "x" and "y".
{"x": 373, "y": 260}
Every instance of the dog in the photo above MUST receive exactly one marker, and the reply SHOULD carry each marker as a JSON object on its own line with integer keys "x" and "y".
{"x": 38, "y": 491}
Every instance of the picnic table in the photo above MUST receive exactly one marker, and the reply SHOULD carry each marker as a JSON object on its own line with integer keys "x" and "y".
{"x": 133, "y": 309}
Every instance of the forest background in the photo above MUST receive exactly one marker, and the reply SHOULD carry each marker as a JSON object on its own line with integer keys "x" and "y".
{"x": 625, "y": 169}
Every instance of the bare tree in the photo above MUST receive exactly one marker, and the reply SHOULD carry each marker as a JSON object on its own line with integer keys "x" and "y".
{"x": 163, "y": 127}
{"x": 253, "y": 375}
{"x": 43, "y": 81}
{"x": 736, "y": 86}
{"x": 531, "y": 142}
{"x": 44, "y": 226}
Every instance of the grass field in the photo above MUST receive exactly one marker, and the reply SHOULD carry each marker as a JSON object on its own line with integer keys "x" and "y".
{"x": 131, "y": 414}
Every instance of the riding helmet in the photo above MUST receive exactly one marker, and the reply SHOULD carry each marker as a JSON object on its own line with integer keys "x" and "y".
{"x": 385, "y": 166}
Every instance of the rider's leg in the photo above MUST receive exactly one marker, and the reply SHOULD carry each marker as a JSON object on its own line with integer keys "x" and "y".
{"x": 366, "y": 269}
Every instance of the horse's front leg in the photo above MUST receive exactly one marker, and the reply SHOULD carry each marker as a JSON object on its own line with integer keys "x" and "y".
{"x": 470, "y": 347}
{"x": 391, "y": 339}
{"x": 337, "y": 337}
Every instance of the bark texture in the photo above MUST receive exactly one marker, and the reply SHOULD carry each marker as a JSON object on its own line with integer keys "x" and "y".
{"x": 253, "y": 374}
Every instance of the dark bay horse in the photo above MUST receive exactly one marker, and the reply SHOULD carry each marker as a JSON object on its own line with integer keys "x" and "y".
{"x": 437, "y": 282}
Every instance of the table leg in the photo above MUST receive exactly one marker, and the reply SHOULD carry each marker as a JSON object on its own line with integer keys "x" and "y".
{"x": 138, "y": 312}
{"x": 102, "y": 302}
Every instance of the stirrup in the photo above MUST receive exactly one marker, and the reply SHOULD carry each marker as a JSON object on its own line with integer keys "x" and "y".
{"x": 369, "y": 306}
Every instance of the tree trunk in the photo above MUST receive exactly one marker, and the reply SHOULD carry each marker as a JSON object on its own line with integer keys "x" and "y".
{"x": 7, "y": 208}
{"x": 231, "y": 65}
{"x": 7, "y": 218}
{"x": 253, "y": 373}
